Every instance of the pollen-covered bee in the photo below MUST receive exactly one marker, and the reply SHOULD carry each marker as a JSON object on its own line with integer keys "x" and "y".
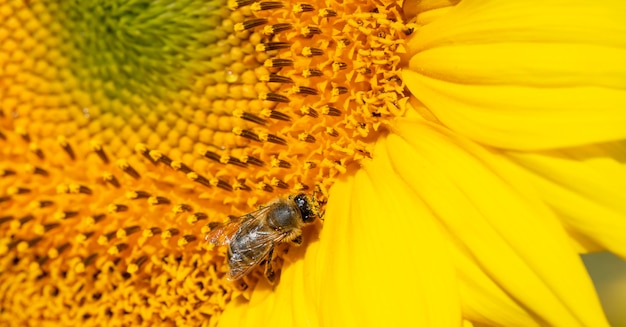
{"x": 251, "y": 238}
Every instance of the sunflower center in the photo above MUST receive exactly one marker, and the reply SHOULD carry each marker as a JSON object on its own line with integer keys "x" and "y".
{"x": 145, "y": 48}
{"x": 250, "y": 96}
{"x": 128, "y": 127}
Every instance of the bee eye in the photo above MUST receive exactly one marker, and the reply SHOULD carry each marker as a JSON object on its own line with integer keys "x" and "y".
{"x": 308, "y": 216}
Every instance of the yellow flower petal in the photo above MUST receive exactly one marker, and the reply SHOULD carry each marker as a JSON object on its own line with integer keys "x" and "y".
{"x": 585, "y": 185}
{"x": 483, "y": 300}
{"x": 412, "y": 244}
{"x": 424, "y": 12}
{"x": 513, "y": 73}
{"x": 520, "y": 245}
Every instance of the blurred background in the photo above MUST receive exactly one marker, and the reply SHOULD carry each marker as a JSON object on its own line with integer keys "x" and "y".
{"x": 609, "y": 276}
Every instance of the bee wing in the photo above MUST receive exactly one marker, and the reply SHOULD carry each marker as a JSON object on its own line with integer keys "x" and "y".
{"x": 251, "y": 244}
{"x": 223, "y": 233}
{"x": 241, "y": 263}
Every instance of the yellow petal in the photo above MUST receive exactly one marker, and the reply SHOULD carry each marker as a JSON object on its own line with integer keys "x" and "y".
{"x": 235, "y": 313}
{"x": 585, "y": 185}
{"x": 424, "y": 12}
{"x": 483, "y": 300}
{"x": 382, "y": 262}
{"x": 335, "y": 281}
{"x": 412, "y": 245}
{"x": 520, "y": 244}
{"x": 525, "y": 74}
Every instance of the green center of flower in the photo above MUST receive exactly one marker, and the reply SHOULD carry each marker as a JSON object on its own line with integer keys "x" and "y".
{"x": 146, "y": 48}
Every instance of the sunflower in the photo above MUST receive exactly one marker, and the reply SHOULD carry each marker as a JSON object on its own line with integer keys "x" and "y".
{"x": 466, "y": 153}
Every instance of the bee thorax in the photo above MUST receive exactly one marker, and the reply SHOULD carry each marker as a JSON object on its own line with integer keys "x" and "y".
{"x": 283, "y": 216}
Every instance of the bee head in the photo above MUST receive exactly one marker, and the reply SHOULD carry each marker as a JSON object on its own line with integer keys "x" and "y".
{"x": 306, "y": 211}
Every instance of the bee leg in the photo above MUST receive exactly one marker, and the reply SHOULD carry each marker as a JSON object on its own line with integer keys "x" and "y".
{"x": 297, "y": 240}
{"x": 316, "y": 204}
{"x": 269, "y": 271}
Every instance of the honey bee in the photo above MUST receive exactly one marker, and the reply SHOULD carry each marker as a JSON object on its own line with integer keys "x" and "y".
{"x": 251, "y": 238}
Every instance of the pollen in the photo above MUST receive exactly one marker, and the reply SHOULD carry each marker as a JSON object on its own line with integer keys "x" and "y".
{"x": 127, "y": 129}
